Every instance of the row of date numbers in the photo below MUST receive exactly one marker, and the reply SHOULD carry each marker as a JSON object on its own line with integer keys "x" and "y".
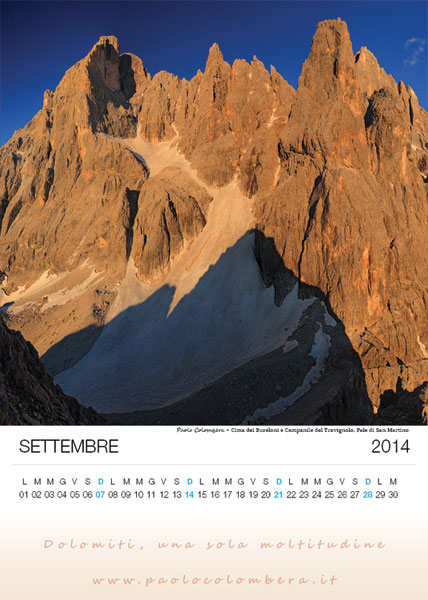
{"x": 240, "y": 494}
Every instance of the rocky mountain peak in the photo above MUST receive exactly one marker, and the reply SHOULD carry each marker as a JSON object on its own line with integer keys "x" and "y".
{"x": 103, "y": 62}
{"x": 106, "y": 41}
{"x": 371, "y": 76}
{"x": 134, "y": 77}
{"x": 367, "y": 63}
{"x": 215, "y": 58}
{"x": 327, "y": 118}
{"x": 48, "y": 99}
{"x": 366, "y": 56}
{"x": 331, "y": 33}
{"x": 331, "y": 60}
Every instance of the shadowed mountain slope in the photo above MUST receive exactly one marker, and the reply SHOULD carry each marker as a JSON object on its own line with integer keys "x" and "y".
{"x": 28, "y": 395}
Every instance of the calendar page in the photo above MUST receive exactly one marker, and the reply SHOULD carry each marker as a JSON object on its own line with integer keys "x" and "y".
{"x": 167, "y": 512}
{"x": 213, "y": 299}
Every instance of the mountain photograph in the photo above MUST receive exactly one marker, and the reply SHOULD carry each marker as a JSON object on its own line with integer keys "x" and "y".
{"x": 227, "y": 244}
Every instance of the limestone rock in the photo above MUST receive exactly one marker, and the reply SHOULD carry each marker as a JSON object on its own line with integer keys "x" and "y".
{"x": 350, "y": 207}
{"x": 28, "y": 396}
{"x": 172, "y": 211}
{"x": 66, "y": 179}
{"x": 403, "y": 406}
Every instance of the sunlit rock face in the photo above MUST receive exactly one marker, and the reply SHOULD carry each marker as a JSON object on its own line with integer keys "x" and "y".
{"x": 350, "y": 209}
{"x": 153, "y": 225}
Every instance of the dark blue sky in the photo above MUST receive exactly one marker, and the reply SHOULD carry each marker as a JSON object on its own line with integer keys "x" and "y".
{"x": 41, "y": 40}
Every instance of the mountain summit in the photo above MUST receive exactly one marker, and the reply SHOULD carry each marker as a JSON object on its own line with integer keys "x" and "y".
{"x": 224, "y": 249}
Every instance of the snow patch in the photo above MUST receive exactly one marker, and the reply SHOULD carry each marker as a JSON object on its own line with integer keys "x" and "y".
{"x": 272, "y": 118}
{"x": 276, "y": 176}
{"x": 319, "y": 352}
{"x": 47, "y": 286}
{"x": 288, "y": 346}
{"x": 328, "y": 319}
{"x": 422, "y": 347}
{"x": 44, "y": 281}
{"x": 64, "y": 295}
